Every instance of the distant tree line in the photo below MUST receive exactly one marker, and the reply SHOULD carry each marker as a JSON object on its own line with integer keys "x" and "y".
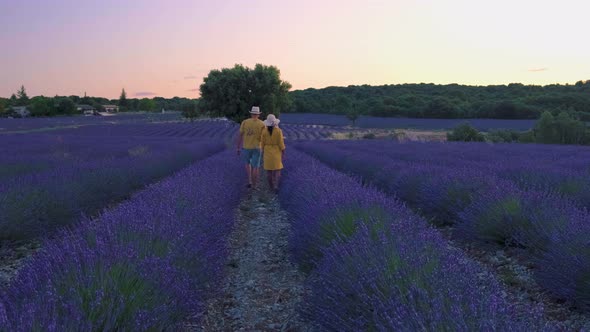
{"x": 549, "y": 129}
{"x": 513, "y": 101}
{"x": 232, "y": 91}
{"x": 68, "y": 105}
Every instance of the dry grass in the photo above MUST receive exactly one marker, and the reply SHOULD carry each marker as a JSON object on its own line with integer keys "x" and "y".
{"x": 402, "y": 135}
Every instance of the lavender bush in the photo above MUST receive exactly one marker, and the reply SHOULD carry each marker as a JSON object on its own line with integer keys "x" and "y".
{"x": 567, "y": 182}
{"x": 391, "y": 282}
{"x": 36, "y": 203}
{"x": 376, "y": 266}
{"x": 524, "y": 195}
{"x": 564, "y": 268}
{"x": 448, "y": 193}
{"x": 507, "y": 215}
{"x": 145, "y": 265}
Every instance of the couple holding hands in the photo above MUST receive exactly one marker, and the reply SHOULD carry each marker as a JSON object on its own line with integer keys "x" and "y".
{"x": 262, "y": 140}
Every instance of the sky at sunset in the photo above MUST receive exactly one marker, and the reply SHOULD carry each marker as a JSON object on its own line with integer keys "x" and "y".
{"x": 165, "y": 48}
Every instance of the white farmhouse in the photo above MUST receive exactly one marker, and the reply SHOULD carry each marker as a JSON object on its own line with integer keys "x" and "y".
{"x": 21, "y": 111}
{"x": 111, "y": 108}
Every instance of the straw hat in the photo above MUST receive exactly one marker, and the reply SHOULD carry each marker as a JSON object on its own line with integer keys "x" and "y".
{"x": 255, "y": 110}
{"x": 271, "y": 121}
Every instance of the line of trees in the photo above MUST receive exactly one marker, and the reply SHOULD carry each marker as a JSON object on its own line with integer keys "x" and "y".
{"x": 232, "y": 91}
{"x": 513, "y": 101}
{"x": 549, "y": 129}
{"x": 68, "y": 105}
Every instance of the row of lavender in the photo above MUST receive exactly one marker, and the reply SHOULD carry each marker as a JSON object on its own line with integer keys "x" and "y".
{"x": 216, "y": 129}
{"x": 417, "y": 123}
{"x": 32, "y": 124}
{"x": 21, "y": 154}
{"x": 147, "y": 264}
{"x": 119, "y": 126}
{"x": 532, "y": 197}
{"x": 376, "y": 266}
{"x": 295, "y": 132}
{"x": 210, "y": 129}
{"x": 48, "y": 181}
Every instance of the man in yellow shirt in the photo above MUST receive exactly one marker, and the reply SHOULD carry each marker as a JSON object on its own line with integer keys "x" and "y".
{"x": 249, "y": 142}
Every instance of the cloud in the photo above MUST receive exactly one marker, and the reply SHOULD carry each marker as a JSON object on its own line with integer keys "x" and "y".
{"x": 145, "y": 94}
{"x": 192, "y": 90}
{"x": 538, "y": 69}
{"x": 190, "y": 77}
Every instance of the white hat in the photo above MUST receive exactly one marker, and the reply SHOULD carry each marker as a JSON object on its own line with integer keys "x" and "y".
{"x": 271, "y": 121}
{"x": 255, "y": 110}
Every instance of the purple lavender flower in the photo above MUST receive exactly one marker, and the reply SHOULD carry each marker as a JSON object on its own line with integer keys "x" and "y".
{"x": 147, "y": 264}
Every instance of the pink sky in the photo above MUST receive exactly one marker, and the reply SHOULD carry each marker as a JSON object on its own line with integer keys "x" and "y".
{"x": 165, "y": 48}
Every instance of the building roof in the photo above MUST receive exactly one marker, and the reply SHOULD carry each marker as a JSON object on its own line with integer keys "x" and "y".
{"x": 85, "y": 107}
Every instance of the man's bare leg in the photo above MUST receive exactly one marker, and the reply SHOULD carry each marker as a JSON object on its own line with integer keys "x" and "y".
{"x": 249, "y": 172}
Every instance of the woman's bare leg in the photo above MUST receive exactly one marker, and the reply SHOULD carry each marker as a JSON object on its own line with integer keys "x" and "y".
{"x": 270, "y": 179}
{"x": 276, "y": 178}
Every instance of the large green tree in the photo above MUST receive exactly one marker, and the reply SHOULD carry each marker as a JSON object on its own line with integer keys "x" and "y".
{"x": 560, "y": 129}
{"x": 64, "y": 105}
{"x": 22, "y": 97}
{"x": 40, "y": 106}
{"x": 3, "y": 106}
{"x": 231, "y": 92}
{"x": 123, "y": 99}
{"x": 544, "y": 130}
{"x": 147, "y": 104}
{"x": 190, "y": 109}
{"x": 13, "y": 101}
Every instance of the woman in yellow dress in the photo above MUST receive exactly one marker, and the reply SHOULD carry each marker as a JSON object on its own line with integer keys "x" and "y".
{"x": 273, "y": 150}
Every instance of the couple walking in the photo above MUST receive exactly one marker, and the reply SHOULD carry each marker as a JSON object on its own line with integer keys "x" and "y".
{"x": 262, "y": 140}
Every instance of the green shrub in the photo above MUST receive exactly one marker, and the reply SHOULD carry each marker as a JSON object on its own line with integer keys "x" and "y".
{"x": 561, "y": 129}
{"x": 503, "y": 136}
{"x": 527, "y": 137}
{"x": 465, "y": 133}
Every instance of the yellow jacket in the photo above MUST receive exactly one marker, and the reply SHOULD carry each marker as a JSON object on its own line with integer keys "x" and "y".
{"x": 273, "y": 146}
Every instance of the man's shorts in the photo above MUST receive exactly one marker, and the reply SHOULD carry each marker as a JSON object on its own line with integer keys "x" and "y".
{"x": 252, "y": 157}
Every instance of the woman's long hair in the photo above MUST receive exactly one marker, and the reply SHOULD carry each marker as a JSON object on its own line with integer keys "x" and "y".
{"x": 270, "y": 128}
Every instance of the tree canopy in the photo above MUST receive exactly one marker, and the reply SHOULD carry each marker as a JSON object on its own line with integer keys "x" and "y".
{"x": 513, "y": 101}
{"x": 3, "y": 103}
{"x": 560, "y": 129}
{"x": 231, "y": 92}
{"x": 190, "y": 109}
{"x": 66, "y": 105}
{"x": 464, "y": 132}
{"x": 147, "y": 104}
{"x": 22, "y": 97}
{"x": 123, "y": 99}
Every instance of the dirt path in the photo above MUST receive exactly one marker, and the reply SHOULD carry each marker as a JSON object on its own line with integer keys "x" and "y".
{"x": 263, "y": 288}
{"x": 13, "y": 256}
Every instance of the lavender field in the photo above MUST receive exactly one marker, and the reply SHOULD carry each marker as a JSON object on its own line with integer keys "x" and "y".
{"x": 137, "y": 223}
{"x": 405, "y": 123}
{"x": 51, "y": 123}
{"x": 290, "y": 119}
{"x": 529, "y": 200}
